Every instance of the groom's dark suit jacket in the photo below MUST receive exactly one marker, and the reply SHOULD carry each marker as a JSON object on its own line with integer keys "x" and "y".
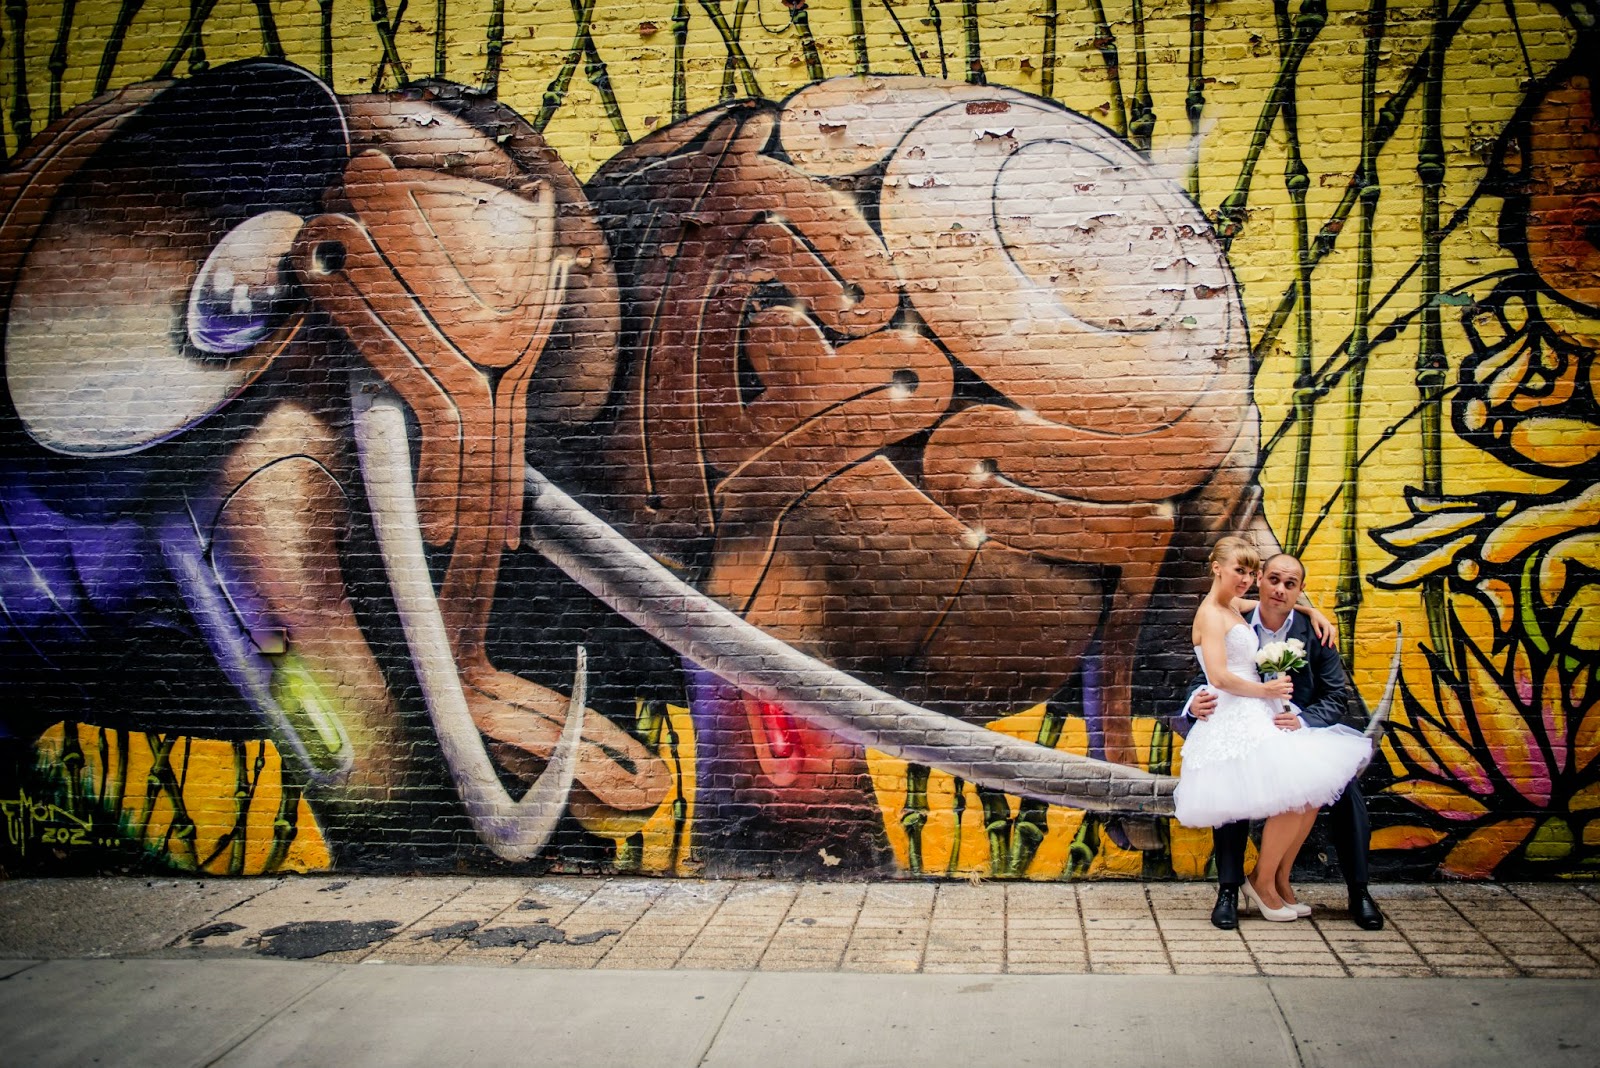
{"x": 1321, "y": 692}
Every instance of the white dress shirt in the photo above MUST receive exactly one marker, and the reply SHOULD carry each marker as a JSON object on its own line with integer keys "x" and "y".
{"x": 1263, "y": 636}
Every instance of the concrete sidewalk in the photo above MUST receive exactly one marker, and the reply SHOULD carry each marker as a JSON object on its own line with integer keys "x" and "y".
{"x": 317, "y": 970}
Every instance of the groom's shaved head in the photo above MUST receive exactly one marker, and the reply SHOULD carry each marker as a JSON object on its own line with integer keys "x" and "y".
{"x": 1284, "y": 558}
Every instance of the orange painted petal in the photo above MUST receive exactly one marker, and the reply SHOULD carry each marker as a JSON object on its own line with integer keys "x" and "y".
{"x": 1586, "y": 740}
{"x": 1415, "y": 750}
{"x": 1439, "y": 799}
{"x": 1405, "y": 837}
{"x": 1585, "y": 799}
{"x": 1553, "y": 709}
{"x": 1507, "y": 733}
{"x": 1458, "y": 761}
{"x": 1479, "y": 853}
{"x": 1451, "y": 711}
{"x": 1539, "y": 523}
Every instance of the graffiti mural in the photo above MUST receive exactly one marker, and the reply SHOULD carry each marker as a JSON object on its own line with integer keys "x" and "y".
{"x": 800, "y": 461}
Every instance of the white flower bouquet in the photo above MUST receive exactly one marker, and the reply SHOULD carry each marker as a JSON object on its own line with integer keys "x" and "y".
{"x": 1281, "y": 658}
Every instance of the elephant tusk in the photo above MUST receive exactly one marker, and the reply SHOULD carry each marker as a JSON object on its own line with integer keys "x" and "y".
{"x": 513, "y": 830}
{"x": 633, "y": 584}
{"x": 1378, "y": 718}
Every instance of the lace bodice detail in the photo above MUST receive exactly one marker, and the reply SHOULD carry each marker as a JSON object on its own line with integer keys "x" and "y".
{"x": 1235, "y": 728}
{"x": 1241, "y": 646}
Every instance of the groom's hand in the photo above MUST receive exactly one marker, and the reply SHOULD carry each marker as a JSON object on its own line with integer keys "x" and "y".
{"x": 1202, "y": 704}
{"x": 1286, "y": 721}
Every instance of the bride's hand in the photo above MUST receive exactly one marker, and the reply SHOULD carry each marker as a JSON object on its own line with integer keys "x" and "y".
{"x": 1281, "y": 687}
{"x": 1326, "y": 630}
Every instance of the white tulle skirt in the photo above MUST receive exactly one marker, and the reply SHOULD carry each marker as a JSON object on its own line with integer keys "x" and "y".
{"x": 1238, "y": 766}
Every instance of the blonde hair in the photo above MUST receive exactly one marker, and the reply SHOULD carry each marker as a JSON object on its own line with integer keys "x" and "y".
{"x": 1233, "y": 548}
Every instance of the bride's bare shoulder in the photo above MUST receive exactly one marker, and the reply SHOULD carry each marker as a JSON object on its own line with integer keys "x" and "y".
{"x": 1209, "y": 620}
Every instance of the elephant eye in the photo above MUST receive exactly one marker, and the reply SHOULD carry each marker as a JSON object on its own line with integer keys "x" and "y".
{"x": 243, "y": 292}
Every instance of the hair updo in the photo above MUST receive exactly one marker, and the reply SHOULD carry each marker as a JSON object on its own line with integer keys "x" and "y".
{"x": 1234, "y": 548}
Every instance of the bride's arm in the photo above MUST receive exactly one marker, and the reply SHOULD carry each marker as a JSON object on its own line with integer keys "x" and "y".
{"x": 1326, "y": 630}
{"x": 1214, "y": 654}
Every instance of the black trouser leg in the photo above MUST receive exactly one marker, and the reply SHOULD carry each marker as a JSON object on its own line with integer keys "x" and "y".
{"x": 1351, "y": 831}
{"x": 1228, "y": 846}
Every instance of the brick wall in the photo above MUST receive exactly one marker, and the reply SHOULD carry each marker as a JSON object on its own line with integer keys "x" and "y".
{"x": 737, "y": 440}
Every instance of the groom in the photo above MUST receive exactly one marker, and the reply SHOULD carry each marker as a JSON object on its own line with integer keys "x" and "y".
{"x": 1320, "y": 692}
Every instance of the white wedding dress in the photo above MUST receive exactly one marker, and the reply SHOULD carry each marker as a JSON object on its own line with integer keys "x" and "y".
{"x": 1237, "y": 765}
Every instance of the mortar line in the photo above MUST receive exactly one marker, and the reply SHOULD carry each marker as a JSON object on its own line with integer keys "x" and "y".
{"x": 855, "y": 921}
{"x": 653, "y": 902}
{"x": 1288, "y": 1028}
{"x": 1412, "y": 945}
{"x": 1479, "y": 932}
{"x": 1161, "y": 933}
{"x": 1083, "y": 929}
{"x": 279, "y": 881}
{"x": 619, "y": 936}
{"x": 334, "y": 972}
{"x": 927, "y": 927}
{"x": 1561, "y": 930}
{"x": 716, "y": 1032}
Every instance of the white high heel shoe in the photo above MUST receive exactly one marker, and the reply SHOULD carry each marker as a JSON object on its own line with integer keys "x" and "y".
{"x": 1278, "y": 915}
{"x": 1301, "y": 910}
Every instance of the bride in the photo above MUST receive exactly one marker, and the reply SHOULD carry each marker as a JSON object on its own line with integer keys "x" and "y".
{"x": 1236, "y": 764}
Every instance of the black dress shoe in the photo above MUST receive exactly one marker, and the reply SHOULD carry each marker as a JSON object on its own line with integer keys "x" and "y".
{"x": 1225, "y": 913}
{"x": 1364, "y": 911}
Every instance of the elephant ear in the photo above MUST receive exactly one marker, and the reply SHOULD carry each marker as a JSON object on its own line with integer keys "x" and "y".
{"x": 147, "y": 289}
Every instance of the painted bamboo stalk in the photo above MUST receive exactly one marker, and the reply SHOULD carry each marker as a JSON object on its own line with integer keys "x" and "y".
{"x": 800, "y": 19}
{"x": 386, "y": 28}
{"x": 241, "y": 810}
{"x": 21, "y": 109}
{"x": 1033, "y": 816}
{"x": 494, "y": 49}
{"x": 680, "y": 77}
{"x": 1313, "y": 15}
{"x": 958, "y": 809}
{"x": 905, "y": 37}
{"x": 858, "y": 38}
{"x": 1194, "y": 103}
{"x": 914, "y": 814}
{"x": 594, "y": 69}
{"x": 969, "y": 21}
{"x": 72, "y": 763}
{"x": 997, "y": 825}
{"x": 1431, "y": 360}
{"x": 937, "y": 23}
{"x": 160, "y": 750}
{"x": 325, "y": 39}
{"x": 556, "y": 92}
{"x": 730, "y": 41}
{"x": 1389, "y": 119}
{"x": 126, "y": 13}
{"x": 728, "y": 92}
{"x": 116, "y": 790}
{"x": 271, "y": 44}
{"x": 1047, "y": 50}
{"x": 285, "y": 826}
{"x": 188, "y": 39}
{"x": 1106, "y": 42}
{"x": 1141, "y": 112}
{"x": 57, "y": 65}
{"x": 1297, "y": 181}
{"x": 440, "y": 18}
{"x": 103, "y": 751}
{"x": 1347, "y": 598}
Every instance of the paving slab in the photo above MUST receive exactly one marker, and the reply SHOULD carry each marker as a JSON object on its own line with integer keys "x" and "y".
{"x": 111, "y": 917}
{"x": 158, "y": 1012}
{"x": 1461, "y": 1023}
{"x": 865, "y": 1021}
{"x": 433, "y": 1015}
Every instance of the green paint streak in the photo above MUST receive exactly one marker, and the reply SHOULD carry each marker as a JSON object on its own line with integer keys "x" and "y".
{"x": 57, "y": 65}
{"x": 800, "y": 19}
{"x": 905, "y": 38}
{"x": 271, "y": 45}
{"x": 1389, "y": 118}
{"x": 1142, "y": 113}
{"x": 914, "y": 814}
{"x": 1347, "y": 599}
{"x": 730, "y": 41}
{"x": 386, "y": 27}
{"x": 1297, "y": 181}
{"x": 938, "y": 35}
{"x": 969, "y": 21}
{"x": 1194, "y": 103}
{"x": 114, "y": 40}
{"x": 494, "y": 48}
{"x": 680, "y": 80}
{"x": 1047, "y": 51}
{"x": 1432, "y": 362}
{"x": 1106, "y": 42}
{"x": 21, "y": 109}
{"x": 858, "y": 38}
{"x": 1308, "y": 24}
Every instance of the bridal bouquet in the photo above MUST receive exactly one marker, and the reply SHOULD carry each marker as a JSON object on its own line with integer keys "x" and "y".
{"x": 1281, "y": 658}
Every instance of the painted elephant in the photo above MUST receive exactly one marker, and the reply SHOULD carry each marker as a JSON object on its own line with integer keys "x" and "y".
{"x": 274, "y": 360}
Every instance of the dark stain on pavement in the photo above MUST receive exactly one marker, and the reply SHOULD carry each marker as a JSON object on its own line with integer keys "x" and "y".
{"x": 313, "y": 938}
{"x": 200, "y": 934}
{"x": 532, "y": 935}
{"x": 459, "y": 929}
